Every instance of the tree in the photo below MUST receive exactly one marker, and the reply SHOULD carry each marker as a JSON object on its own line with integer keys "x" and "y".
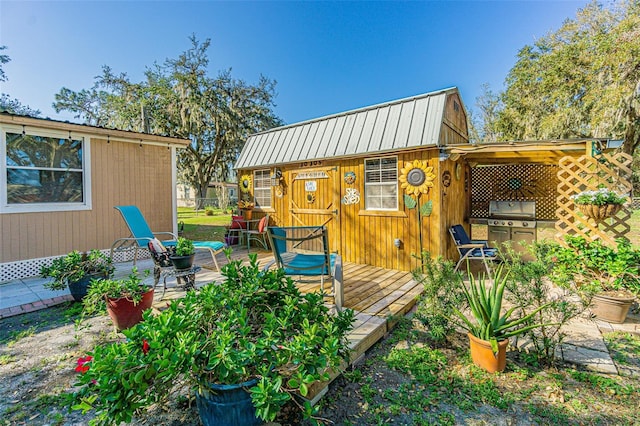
{"x": 179, "y": 99}
{"x": 484, "y": 126}
{"x": 7, "y": 104}
{"x": 582, "y": 80}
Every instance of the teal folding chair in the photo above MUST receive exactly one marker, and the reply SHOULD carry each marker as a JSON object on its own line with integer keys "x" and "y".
{"x": 304, "y": 251}
{"x": 141, "y": 235}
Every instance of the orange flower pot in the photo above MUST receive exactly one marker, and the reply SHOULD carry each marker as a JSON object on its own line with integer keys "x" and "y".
{"x": 482, "y": 355}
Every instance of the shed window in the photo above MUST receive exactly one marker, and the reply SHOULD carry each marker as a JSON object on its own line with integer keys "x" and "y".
{"x": 381, "y": 183}
{"x": 262, "y": 188}
{"x": 43, "y": 171}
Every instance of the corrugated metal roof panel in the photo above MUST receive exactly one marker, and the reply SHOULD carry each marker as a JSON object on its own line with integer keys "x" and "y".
{"x": 400, "y": 124}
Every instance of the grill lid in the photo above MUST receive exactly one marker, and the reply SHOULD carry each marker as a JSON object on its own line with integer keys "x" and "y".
{"x": 512, "y": 209}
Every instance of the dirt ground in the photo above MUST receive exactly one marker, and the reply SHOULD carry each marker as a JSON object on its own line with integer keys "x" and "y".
{"x": 38, "y": 354}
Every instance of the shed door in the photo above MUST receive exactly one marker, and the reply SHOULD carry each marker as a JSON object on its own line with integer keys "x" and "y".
{"x": 315, "y": 201}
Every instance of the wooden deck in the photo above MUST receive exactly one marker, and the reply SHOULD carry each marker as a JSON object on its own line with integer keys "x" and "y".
{"x": 375, "y": 294}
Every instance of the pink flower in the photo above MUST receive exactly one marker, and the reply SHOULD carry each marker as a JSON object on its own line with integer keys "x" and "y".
{"x": 145, "y": 346}
{"x": 83, "y": 364}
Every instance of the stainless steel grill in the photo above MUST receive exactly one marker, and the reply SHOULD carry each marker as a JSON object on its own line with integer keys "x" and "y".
{"x": 513, "y": 221}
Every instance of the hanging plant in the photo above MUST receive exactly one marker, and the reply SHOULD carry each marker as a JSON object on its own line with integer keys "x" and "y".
{"x": 245, "y": 184}
{"x": 416, "y": 177}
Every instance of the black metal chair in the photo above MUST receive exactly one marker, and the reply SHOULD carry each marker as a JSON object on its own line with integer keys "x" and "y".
{"x": 472, "y": 249}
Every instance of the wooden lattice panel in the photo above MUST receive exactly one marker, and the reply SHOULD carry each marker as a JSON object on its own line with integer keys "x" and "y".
{"x": 589, "y": 173}
{"x": 517, "y": 182}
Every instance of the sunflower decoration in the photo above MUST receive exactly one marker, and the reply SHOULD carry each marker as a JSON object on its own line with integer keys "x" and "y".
{"x": 245, "y": 184}
{"x": 416, "y": 177}
{"x": 310, "y": 197}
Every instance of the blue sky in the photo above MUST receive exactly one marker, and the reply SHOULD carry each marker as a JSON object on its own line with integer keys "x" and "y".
{"x": 327, "y": 57}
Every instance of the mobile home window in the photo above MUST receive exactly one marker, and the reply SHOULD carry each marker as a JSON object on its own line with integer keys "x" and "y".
{"x": 381, "y": 183}
{"x": 43, "y": 172}
{"x": 262, "y": 188}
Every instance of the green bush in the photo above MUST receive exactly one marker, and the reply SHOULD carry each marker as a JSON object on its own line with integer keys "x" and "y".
{"x": 442, "y": 292}
{"x": 254, "y": 324}
{"x": 75, "y": 266}
{"x": 530, "y": 289}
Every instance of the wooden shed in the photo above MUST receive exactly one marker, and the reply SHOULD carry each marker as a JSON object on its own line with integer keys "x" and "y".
{"x": 60, "y": 181}
{"x": 378, "y": 177}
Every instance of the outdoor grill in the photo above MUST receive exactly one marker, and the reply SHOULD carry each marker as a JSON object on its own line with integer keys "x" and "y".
{"x": 513, "y": 221}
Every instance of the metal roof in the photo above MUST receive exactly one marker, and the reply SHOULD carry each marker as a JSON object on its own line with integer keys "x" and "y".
{"x": 400, "y": 124}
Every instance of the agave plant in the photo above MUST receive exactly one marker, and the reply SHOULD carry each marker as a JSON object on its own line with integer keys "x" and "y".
{"x": 486, "y": 305}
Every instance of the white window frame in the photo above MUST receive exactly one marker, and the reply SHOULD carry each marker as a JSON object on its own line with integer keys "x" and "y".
{"x": 255, "y": 186}
{"x": 5, "y": 207}
{"x": 371, "y": 184}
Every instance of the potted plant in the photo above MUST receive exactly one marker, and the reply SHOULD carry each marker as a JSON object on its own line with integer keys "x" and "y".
{"x": 599, "y": 204}
{"x": 245, "y": 346}
{"x": 76, "y": 270}
{"x": 608, "y": 276}
{"x": 183, "y": 254}
{"x": 125, "y": 299}
{"x": 488, "y": 336}
{"x": 247, "y": 207}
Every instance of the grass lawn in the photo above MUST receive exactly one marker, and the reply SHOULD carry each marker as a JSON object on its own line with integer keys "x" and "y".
{"x": 200, "y": 227}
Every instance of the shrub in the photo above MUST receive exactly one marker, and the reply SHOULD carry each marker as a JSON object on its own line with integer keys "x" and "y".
{"x": 253, "y": 325}
{"x": 442, "y": 292}
{"x": 530, "y": 288}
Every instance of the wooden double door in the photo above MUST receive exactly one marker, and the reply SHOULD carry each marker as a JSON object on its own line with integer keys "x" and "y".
{"x": 314, "y": 200}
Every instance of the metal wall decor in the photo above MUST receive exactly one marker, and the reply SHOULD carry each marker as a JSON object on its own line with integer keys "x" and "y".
{"x": 350, "y": 178}
{"x": 416, "y": 177}
{"x": 245, "y": 184}
{"x": 310, "y": 197}
{"x": 352, "y": 197}
{"x": 446, "y": 178}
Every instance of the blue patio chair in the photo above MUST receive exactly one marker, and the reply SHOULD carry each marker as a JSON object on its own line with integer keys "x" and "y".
{"x": 141, "y": 235}
{"x": 471, "y": 249}
{"x": 304, "y": 251}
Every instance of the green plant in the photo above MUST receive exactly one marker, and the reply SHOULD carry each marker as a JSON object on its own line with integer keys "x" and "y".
{"x": 253, "y": 325}
{"x": 75, "y": 266}
{"x": 599, "y": 197}
{"x": 100, "y": 290}
{"x": 208, "y": 211}
{"x": 442, "y": 291}
{"x": 486, "y": 306}
{"x": 595, "y": 267}
{"x": 530, "y": 289}
{"x": 184, "y": 247}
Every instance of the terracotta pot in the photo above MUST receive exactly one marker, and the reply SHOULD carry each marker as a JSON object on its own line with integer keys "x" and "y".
{"x": 610, "y": 308}
{"x": 482, "y": 355}
{"x": 599, "y": 212}
{"x": 248, "y": 214}
{"x": 125, "y": 314}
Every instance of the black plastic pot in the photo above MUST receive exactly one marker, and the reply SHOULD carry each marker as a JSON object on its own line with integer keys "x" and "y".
{"x": 78, "y": 289}
{"x": 227, "y": 405}
{"x": 182, "y": 262}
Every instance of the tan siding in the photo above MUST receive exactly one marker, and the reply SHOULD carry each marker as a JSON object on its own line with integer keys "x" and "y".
{"x": 122, "y": 173}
